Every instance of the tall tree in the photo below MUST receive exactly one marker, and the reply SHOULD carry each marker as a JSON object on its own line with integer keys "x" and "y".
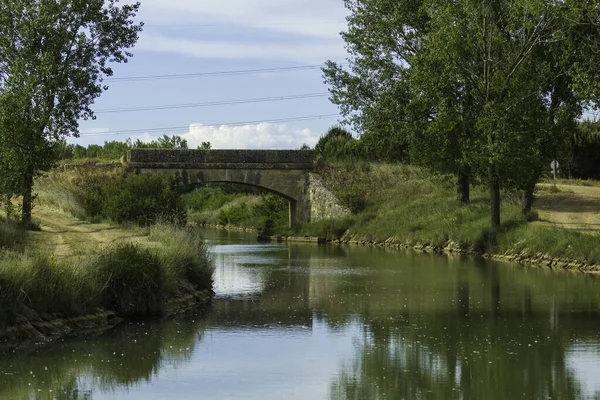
{"x": 54, "y": 56}
{"x": 488, "y": 86}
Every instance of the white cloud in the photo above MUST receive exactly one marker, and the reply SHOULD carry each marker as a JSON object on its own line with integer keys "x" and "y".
{"x": 261, "y": 136}
{"x": 302, "y": 17}
{"x": 301, "y": 53}
{"x": 300, "y": 30}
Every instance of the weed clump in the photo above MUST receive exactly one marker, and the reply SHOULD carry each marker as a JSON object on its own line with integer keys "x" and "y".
{"x": 130, "y": 280}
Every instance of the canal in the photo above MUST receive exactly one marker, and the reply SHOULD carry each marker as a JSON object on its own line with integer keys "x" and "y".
{"x": 300, "y": 321}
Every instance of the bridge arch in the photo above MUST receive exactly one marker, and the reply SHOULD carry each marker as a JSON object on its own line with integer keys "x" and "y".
{"x": 283, "y": 172}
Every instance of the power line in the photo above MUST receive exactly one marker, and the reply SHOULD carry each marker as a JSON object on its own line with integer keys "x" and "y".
{"x": 215, "y": 73}
{"x": 211, "y": 104}
{"x": 178, "y": 128}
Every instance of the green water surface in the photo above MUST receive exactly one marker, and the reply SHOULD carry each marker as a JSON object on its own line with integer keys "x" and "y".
{"x": 296, "y": 321}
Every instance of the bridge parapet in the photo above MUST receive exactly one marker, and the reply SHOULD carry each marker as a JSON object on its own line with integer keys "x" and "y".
{"x": 221, "y": 159}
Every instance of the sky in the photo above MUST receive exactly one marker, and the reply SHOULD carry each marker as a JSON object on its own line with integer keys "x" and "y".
{"x": 200, "y": 37}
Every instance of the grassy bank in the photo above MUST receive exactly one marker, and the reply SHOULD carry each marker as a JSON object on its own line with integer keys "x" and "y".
{"x": 403, "y": 204}
{"x": 133, "y": 280}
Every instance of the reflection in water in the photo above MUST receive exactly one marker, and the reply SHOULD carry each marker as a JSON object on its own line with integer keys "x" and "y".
{"x": 308, "y": 322}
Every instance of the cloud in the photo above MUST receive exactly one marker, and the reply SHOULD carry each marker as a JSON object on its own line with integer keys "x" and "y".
{"x": 261, "y": 136}
{"x": 300, "y": 53}
{"x": 293, "y": 30}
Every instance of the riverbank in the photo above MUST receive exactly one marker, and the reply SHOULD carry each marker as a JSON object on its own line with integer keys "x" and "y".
{"x": 72, "y": 276}
{"x": 402, "y": 206}
{"x": 537, "y": 260}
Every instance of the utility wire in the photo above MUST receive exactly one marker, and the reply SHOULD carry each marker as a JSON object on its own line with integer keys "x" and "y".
{"x": 211, "y": 104}
{"x": 178, "y": 128}
{"x": 216, "y": 73}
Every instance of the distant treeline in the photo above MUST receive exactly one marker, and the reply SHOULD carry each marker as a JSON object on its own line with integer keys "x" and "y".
{"x": 114, "y": 150}
{"x": 580, "y": 160}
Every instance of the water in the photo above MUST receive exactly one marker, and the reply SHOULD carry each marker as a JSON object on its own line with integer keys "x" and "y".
{"x": 319, "y": 322}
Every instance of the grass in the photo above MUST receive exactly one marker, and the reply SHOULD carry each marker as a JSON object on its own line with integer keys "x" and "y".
{"x": 72, "y": 191}
{"x": 130, "y": 279}
{"x": 574, "y": 182}
{"x": 407, "y": 205}
{"x": 12, "y": 235}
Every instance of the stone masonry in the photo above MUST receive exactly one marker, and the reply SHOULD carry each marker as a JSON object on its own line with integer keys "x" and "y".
{"x": 284, "y": 172}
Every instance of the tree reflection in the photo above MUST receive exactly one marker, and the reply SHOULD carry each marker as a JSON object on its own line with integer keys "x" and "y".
{"x": 119, "y": 359}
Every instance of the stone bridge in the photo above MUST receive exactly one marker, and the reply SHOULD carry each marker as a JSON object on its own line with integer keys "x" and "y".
{"x": 288, "y": 173}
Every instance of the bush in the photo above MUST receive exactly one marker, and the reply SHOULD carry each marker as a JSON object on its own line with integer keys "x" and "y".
{"x": 336, "y": 144}
{"x": 131, "y": 280}
{"x": 234, "y": 215}
{"x": 184, "y": 257}
{"x": 142, "y": 199}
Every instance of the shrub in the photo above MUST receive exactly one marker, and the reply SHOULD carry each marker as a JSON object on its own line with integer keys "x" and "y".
{"x": 184, "y": 257}
{"x": 131, "y": 280}
{"x": 336, "y": 144}
{"x": 141, "y": 199}
{"x": 234, "y": 214}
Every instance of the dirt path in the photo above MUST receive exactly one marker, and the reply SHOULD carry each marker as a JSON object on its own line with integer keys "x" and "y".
{"x": 65, "y": 236}
{"x": 573, "y": 207}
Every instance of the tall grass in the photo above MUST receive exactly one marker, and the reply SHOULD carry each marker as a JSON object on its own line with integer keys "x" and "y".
{"x": 407, "y": 205}
{"x": 184, "y": 256}
{"x": 77, "y": 191}
{"x": 125, "y": 278}
{"x": 12, "y": 235}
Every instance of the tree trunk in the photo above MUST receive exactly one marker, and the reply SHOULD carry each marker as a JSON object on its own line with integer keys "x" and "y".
{"x": 528, "y": 197}
{"x": 463, "y": 187}
{"x": 27, "y": 197}
{"x": 495, "y": 198}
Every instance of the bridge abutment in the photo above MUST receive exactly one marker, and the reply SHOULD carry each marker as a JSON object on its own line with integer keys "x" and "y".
{"x": 287, "y": 173}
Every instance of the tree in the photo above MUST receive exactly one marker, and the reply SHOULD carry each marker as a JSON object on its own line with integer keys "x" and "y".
{"x": 479, "y": 87}
{"x": 163, "y": 142}
{"x": 336, "y": 144}
{"x": 376, "y": 94}
{"x": 54, "y": 56}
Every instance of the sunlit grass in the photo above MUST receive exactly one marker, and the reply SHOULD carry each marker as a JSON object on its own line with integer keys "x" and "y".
{"x": 130, "y": 279}
{"x": 413, "y": 207}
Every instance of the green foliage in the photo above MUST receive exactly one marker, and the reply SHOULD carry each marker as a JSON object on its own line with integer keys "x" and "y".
{"x": 353, "y": 197}
{"x": 12, "y": 235}
{"x": 234, "y": 215}
{"x": 584, "y": 160}
{"x": 267, "y": 215}
{"x": 497, "y": 105}
{"x": 225, "y": 204}
{"x": 132, "y": 280}
{"x": 92, "y": 194}
{"x": 332, "y": 229}
{"x": 184, "y": 256}
{"x": 141, "y": 199}
{"x": 126, "y": 278}
{"x": 114, "y": 150}
{"x": 52, "y": 72}
{"x": 208, "y": 198}
{"x": 336, "y": 145}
